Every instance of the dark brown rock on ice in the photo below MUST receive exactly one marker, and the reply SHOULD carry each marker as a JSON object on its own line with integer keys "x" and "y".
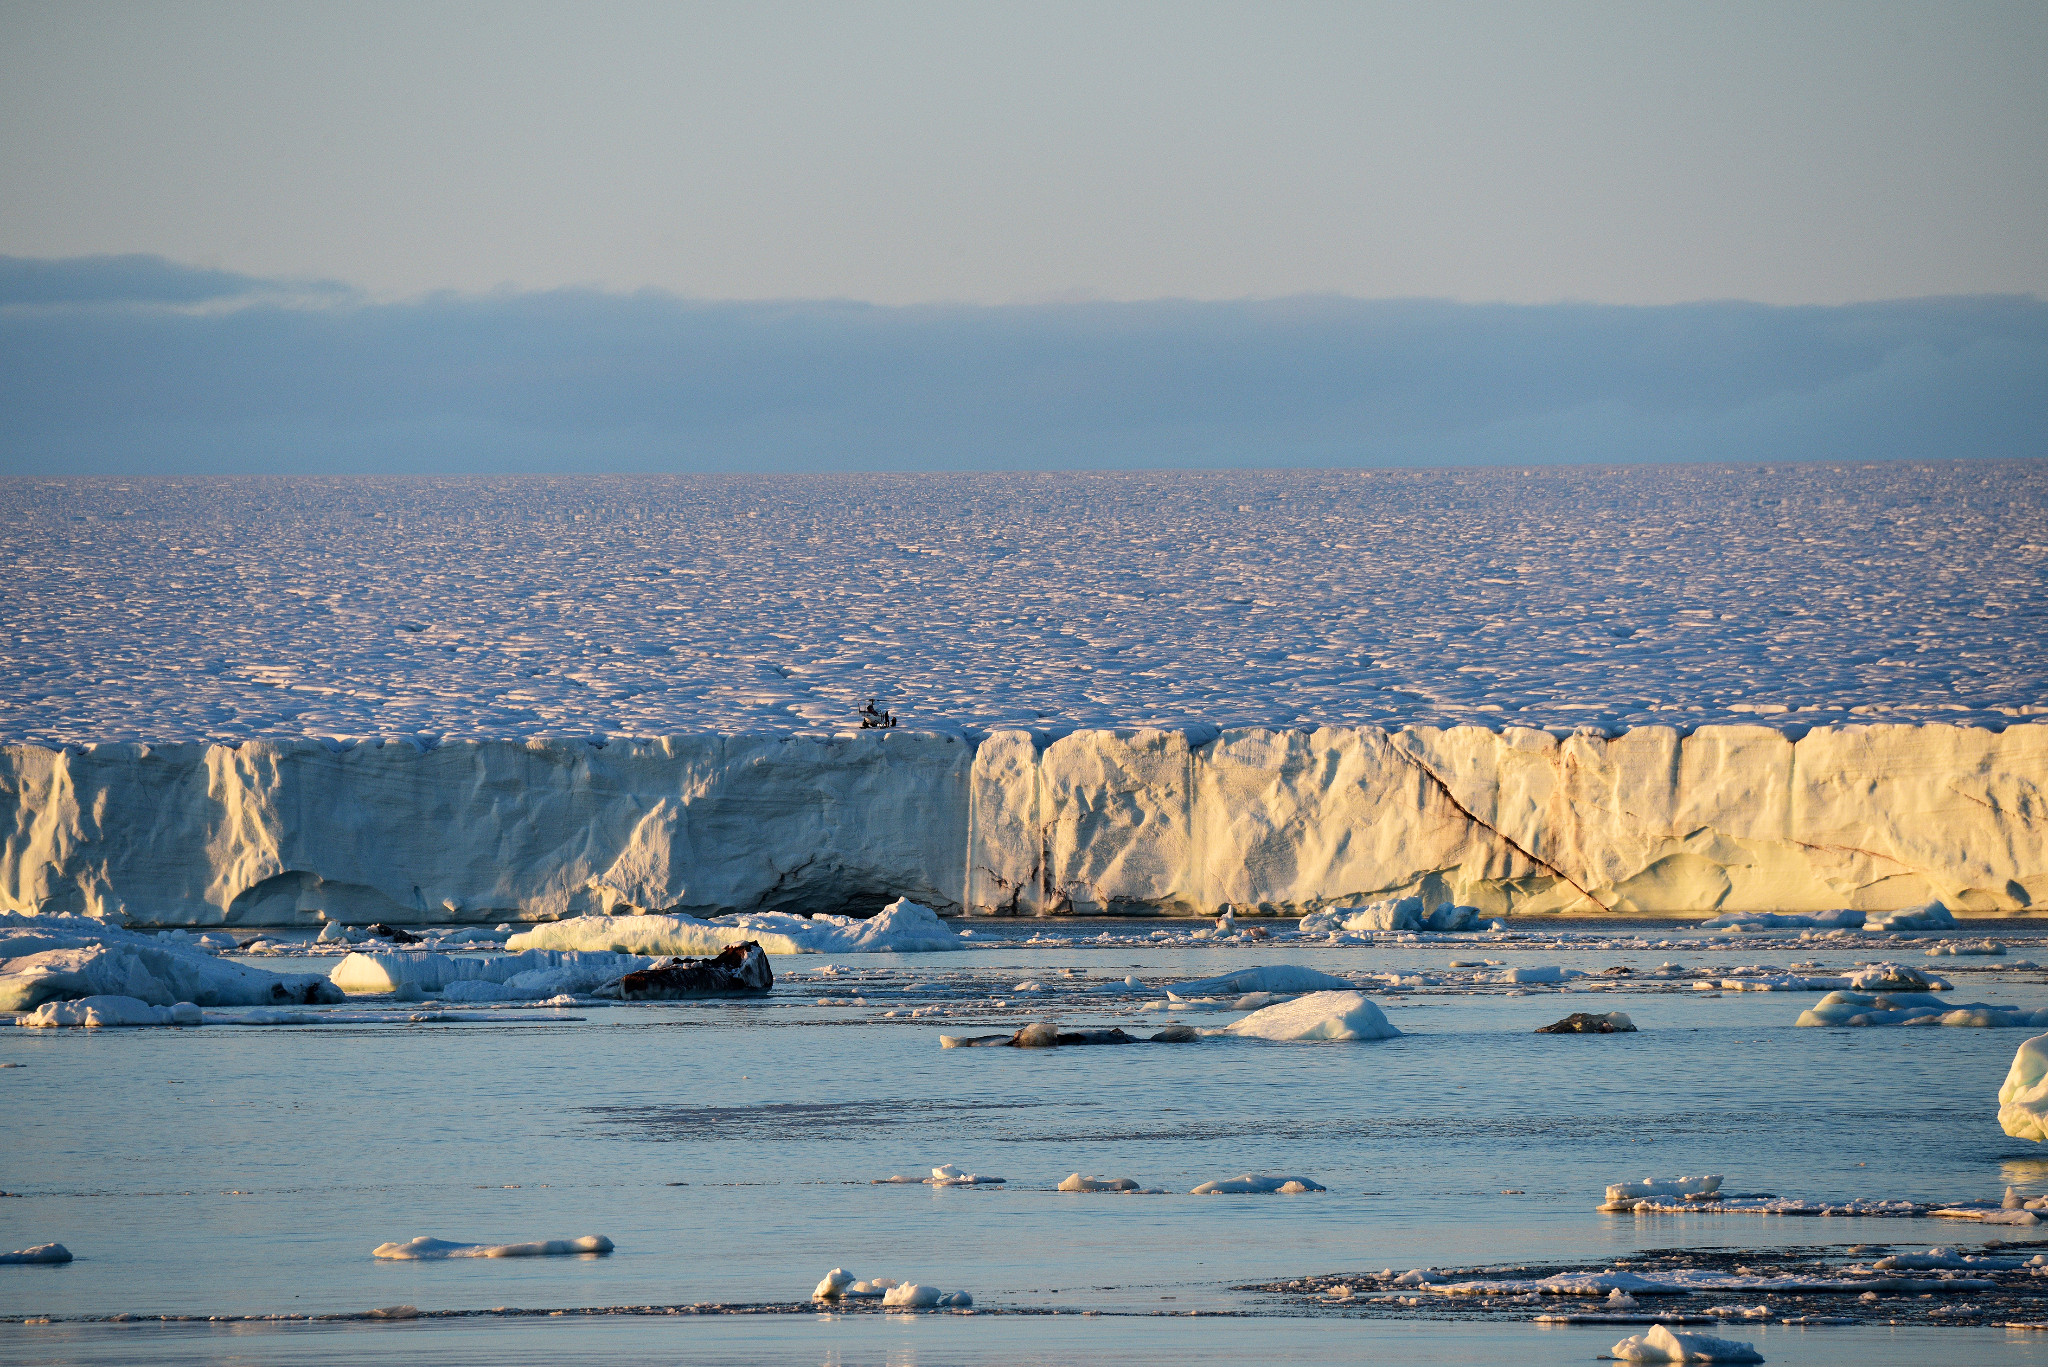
{"x": 1580, "y": 1023}
{"x": 393, "y": 934}
{"x": 1046, "y": 1035}
{"x": 735, "y": 971}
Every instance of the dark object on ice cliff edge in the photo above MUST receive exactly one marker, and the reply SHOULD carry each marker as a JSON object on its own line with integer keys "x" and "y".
{"x": 1580, "y": 1023}
{"x": 392, "y": 933}
{"x": 873, "y": 720}
{"x": 735, "y": 971}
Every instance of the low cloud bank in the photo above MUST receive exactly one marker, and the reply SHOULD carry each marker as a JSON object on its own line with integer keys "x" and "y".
{"x": 134, "y": 365}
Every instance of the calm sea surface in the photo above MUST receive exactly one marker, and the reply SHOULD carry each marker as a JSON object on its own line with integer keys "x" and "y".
{"x": 730, "y": 1151}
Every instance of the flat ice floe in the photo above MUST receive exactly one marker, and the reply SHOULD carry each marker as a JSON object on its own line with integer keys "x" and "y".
{"x": 1318, "y": 1016}
{"x": 61, "y": 958}
{"x": 1079, "y": 1183}
{"x": 525, "y": 976}
{"x": 100, "y": 1012}
{"x": 1269, "y": 978}
{"x": 1258, "y": 1185}
{"x": 424, "y": 1249}
{"x": 903, "y": 927}
{"x": 1915, "y": 1008}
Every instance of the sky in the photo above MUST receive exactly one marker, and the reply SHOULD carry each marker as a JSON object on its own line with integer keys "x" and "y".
{"x": 943, "y": 182}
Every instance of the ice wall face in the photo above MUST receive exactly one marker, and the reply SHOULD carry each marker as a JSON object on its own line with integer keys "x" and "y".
{"x": 268, "y": 834}
{"x": 1647, "y": 823}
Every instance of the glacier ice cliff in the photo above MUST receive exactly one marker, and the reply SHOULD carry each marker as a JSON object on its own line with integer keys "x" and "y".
{"x": 1650, "y": 822}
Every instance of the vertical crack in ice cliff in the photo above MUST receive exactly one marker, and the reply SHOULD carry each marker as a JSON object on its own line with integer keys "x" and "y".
{"x": 1444, "y": 790}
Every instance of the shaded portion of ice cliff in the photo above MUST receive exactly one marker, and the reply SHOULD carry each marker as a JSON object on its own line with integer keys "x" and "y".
{"x": 1650, "y": 822}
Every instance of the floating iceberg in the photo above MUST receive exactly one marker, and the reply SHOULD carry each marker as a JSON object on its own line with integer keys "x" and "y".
{"x": 2023, "y": 1096}
{"x": 1404, "y": 913}
{"x": 1249, "y": 1185}
{"x": 424, "y": 1249}
{"x": 60, "y": 958}
{"x": 1538, "y": 973}
{"x": 1079, "y": 1183}
{"x": 1318, "y": 1016}
{"x": 1663, "y": 1345}
{"x": 895, "y": 1295}
{"x": 526, "y": 976}
{"x": 37, "y": 1253}
{"x": 1271, "y": 978}
{"x": 1915, "y": 1008}
{"x": 1900, "y": 977}
{"x": 1623, "y": 1196}
{"x": 1930, "y": 916}
{"x": 902, "y": 927}
{"x": 1769, "y": 920}
{"x": 100, "y": 1012}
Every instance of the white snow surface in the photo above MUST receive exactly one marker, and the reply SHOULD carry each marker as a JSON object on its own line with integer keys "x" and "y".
{"x": 1318, "y": 1016}
{"x": 1662, "y": 1344}
{"x": 2023, "y": 1096}
{"x": 1281, "y": 692}
{"x": 194, "y": 609}
{"x": 61, "y": 958}
{"x": 426, "y": 1249}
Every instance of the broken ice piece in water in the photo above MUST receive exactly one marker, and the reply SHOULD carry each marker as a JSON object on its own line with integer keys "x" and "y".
{"x": 1663, "y": 1345}
{"x": 1249, "y": 1185}
{"x": 37, "y": 1253}
{"x": 423, "y": 1249}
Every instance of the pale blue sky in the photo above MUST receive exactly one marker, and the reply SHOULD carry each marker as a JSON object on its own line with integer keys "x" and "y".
{"x": 903, "y": 153}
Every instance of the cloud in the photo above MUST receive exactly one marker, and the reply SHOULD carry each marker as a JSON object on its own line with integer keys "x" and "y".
{"x": 138, "y": 280}
{"x": 111, "y": 382}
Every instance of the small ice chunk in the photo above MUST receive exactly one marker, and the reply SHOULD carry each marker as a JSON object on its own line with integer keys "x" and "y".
{"x": 872, "y": 1288}
{"x": 911, "y": 1296}
{"x": 1318, "y": 1016}
{"x": 835, "y": 1283}
{"x": 2023, "y": 1096}
{"x": 1269, "y": 978}
{"x": 955, "y": 1300}
{"x": 1538, "y": 973}
{"x": 1618, "y": 1299}
{"x": 101, "y": 1012}
{"x": 949, "y": 1175}
{"x": 1663, "y": 1345}
{"x": 1928, "y": 916}
{"x": 1079, "y": 1183}
{"x": 1895, "y": 977}
{"x": 1249, "y": 1185}
{"x": 424, "y": 1249}
{"x": 37, "y": 1253}
{"x": 1624, "y": 1195}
